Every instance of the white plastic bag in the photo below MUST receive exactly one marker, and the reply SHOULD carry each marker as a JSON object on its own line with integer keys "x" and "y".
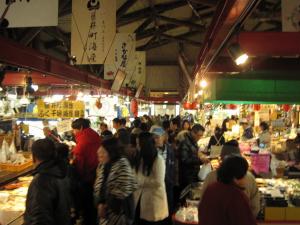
{"x": 205, "y": 169}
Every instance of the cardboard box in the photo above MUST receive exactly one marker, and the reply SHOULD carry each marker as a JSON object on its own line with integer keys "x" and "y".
{"x": 292, "y": 214}
{"x": 274, "y": 214}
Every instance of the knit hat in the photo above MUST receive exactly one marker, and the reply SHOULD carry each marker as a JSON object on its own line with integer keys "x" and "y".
{"x": 229, "y": 149}
{"x": 156, "y": 130}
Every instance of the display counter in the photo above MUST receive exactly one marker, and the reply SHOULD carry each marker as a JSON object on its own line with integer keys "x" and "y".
{"x": 7, "y": 177}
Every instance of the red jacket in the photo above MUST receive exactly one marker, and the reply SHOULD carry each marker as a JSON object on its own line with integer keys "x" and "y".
{"x": 224, "y": 204}
{"x": 85, "y": 152}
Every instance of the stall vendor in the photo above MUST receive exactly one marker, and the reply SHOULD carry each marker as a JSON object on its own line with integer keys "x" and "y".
{"x": 265, "y": 135}
{"x": 248, "y": 130}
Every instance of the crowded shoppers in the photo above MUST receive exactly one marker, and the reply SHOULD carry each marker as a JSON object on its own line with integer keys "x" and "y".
{"x": 265, "y": 135}
{"x": 248, "y": 130}
{"x": 224, "y": 201}
{"x": 48, "y": 199}
{"x": 250, "y": 188}
{"x": 151, "y": 197}
{"x": 86, "y": 162}
{"x": 189, "y": 157}
{"x": 114, "y": 186}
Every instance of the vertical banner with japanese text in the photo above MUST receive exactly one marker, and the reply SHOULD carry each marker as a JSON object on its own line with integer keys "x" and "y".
{"x": 62, "y": 109}
{"x": 136, "y": 73}
{"x": 93, "y": 30}
{"x": 120, "y": 55}
{"x": 290, "y": 15}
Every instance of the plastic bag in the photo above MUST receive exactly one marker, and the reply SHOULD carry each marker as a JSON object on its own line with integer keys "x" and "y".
{"x": 205, "y": 169}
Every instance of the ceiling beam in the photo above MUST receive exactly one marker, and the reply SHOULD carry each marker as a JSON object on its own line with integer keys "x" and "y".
{"x": 52, "y": 44}
{"x": 147, "y": 12}
{"x": 124, "y": 8}
{"x": 152, "y": 31}
{"x": 205, "y": 2}
{"x": 228, "y": 16}
{"x": 30, "y": 34}
{"x": 143, "y": 26}
{"x": 181, "y": 22}
{"x": 162, "y": 42}
{"x": 181, "y": 39}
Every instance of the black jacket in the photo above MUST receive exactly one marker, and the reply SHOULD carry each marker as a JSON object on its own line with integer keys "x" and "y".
{"x": 48, "y": 198}
{"x": 189, "y": 162}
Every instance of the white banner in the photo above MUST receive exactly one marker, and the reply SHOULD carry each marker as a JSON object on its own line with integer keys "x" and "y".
{"x": 120, "y": 55}
{"x": 290, "y": 15}
{"x": 33, "y": 13}
{"x": 93, "y": 30}
{"x": 136, "y": 74}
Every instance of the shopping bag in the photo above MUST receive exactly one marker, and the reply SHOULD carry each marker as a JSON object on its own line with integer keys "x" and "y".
{"x": 205, "y": 169}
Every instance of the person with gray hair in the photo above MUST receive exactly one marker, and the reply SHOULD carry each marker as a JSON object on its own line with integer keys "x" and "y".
{"x": 232, "y": 148}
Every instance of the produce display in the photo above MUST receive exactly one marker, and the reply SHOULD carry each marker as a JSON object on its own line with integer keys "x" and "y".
{"x": 12, "y": 200}
{"x": 274, "y": 193}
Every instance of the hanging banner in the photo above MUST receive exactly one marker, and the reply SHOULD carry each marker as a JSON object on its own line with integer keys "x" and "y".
{"x": 93, "y": 30}
{"x": 64, "y": 126}
{"x": 136, "y": 72}
{"x": 62, "y": 109}
{"x": 33, "y": 13}
{"x": 119, "y": 56}
{"x": 290, "y": 15}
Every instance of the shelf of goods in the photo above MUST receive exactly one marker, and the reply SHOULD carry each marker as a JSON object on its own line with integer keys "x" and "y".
{"x": 280, "y": 203}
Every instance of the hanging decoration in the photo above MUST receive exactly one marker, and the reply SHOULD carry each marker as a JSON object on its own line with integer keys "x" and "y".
{"x": 286, "y": 107}
{"x": 232, "y": 106}
{"x": 194, "y": 105}
{"x": 187, "y": 105}
{"x": 98, "y": 103}
{"x": 134, "y": 107}
{"x": 256, "y": 107}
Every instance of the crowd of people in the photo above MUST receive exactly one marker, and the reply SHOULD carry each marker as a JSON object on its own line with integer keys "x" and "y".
{"x": 135, "y": 176}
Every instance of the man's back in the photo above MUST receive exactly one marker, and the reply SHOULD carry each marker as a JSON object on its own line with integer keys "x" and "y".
{"x": 48, "y": 198}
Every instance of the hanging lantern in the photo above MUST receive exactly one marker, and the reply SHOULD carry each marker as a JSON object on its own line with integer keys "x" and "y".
{"x": 256, "y": 107}
{"x": 286, "y": 107}
{"x": 186, "y": 105}
{"x": 134, "y": 107}
{"x": 98, "y": 104}
{"x": 194, "y": 105}
{"x": 232, "y": 106}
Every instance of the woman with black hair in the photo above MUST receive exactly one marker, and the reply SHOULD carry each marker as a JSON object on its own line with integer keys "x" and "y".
{"x": 150, "y": 198}
{"x": 217, "y": 139}
{"x": 224, "y": 202}
{"x": 265, "y": 135}
{"x": 114, "y": 186}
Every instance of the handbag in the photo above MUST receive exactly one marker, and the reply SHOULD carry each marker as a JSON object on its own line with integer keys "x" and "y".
{"x": 204, "y": 171}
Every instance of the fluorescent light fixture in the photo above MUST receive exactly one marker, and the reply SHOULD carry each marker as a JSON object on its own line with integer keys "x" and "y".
{"x": 165, "y": 101}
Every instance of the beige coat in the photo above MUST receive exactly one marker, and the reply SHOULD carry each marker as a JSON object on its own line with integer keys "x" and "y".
{"x": 152, "y": 192}
{"x": 251, "y": 189}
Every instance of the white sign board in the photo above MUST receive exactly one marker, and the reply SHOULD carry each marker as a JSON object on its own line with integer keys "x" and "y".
{"x": 290, "y": 15}
{"x": 64, "y": 126}
{"x": 120, "y": 55}
{"x": 93, "y": 30}
{"x": 33, "y": 13}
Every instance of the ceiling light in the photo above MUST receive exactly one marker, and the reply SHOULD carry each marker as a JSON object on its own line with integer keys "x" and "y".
{"x": 203, "y": 83}
{"x": 237, "y": 54}
{"x": 166, "y": 93}
{"x": 34, "y": 87}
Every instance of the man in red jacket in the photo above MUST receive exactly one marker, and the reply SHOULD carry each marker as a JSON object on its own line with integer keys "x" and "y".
{"x": 86, "y": 161}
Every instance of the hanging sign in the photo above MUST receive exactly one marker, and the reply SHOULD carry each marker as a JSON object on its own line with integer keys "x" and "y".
{"x": 64, "y": 126}
{"x": 62, "y": 109}
{"x": 290, "y": 15}
{"x": 93, "y": 30}
{"x": 30, "y": 13}
{"x": 120, "y": 54}
{"x": 136, "y": 71}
